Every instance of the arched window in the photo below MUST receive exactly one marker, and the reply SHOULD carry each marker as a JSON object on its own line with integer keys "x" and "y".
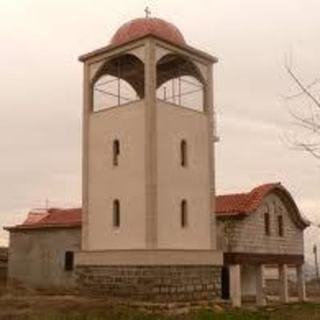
{"x": 116, "y": 213}
{"x": 280, "y": 226}
{"x": 184, "y": 213}
{"x": 179, "y": 82}
{"x": 183, "y": 153}
{"x": 116, "y": 152}
{"x": 118, "y": 81}
{"x": 267, "y": 223}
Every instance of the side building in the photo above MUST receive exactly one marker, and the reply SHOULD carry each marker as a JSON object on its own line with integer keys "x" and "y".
{"x": 258, "y": 229}
{"x": 41, "y": 249}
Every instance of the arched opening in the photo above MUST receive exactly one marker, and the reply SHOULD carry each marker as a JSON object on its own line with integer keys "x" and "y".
{"x": 119, "y": 81}
{"x": 266, "y": 217}
{"x": 184, "y": 214}
{"x": 183, "y": 153}
{"x": 280, "y": 226}
{"x": 116, "y": 213}
{"x": 179, "y": 82}
{"x": 116, "y": 152}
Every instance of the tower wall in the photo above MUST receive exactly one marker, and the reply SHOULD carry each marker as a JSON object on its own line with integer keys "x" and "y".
{"x": 125, "y": 182}
{"x": 175, "y": 182}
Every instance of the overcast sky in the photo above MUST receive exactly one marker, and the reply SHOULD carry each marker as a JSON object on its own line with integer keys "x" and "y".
{"x": 40, "y": 96}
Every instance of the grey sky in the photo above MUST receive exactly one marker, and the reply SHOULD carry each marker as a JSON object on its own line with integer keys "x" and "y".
{"x": 40, "y": 97}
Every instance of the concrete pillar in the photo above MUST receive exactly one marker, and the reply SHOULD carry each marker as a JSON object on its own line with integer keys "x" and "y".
{"x": 283, "y": 279}
{"x": 260, "y": 296}
{"x": 235, "y": 284}
{"x": 300, "y": 283}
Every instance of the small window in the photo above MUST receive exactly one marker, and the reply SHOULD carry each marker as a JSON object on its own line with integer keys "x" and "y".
{"x": 280, "y": 226}
{"x": 116, "y": 152}
{"x": 184, "y": 214}
{"x": 116, "y": 213}
{"x": 68, "y": 261}
{"x": 267, "y": 223}
{"x": 183, "y": 153}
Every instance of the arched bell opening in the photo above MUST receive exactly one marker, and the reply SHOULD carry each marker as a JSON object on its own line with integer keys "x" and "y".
{"x": 119, "y": 81}
{"x": 180, "y": 82}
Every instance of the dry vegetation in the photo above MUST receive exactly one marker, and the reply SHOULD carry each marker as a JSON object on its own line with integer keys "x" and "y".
{"x": 20, "y": 305}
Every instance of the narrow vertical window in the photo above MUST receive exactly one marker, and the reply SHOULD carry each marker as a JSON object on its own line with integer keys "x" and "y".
{"x": 184, "y": 214}
{"x": 267, "y": 223}
{"x": 68, "y": 261}
{"x": 116, "y": 213}
{"x": 280, "y": 226}
{"x": 183, "y": 153}
{"x": 116, "y": 152}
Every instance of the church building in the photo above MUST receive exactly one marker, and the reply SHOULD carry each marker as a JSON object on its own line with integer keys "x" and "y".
{"x": 147, "y": 229}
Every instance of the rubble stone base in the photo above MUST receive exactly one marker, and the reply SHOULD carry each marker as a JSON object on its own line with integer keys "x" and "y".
{"x": 152, "y": 283}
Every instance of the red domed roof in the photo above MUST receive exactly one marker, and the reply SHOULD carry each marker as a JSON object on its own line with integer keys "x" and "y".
{"x": 138, "y": 28}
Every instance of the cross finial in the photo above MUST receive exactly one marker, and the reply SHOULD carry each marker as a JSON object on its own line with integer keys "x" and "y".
{"x": 147, "y": 11}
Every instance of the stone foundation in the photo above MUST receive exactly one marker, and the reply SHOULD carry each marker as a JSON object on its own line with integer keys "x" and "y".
{"x": 152, "y": 283}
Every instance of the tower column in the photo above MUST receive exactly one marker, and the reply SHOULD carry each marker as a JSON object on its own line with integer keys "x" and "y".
{"x": 235, "y": 284}
{"x": 283, "y": 277}
{"x": 85, "y": 166}
{"x": 301, "y": 283}
{"x": 151, "y": 146}
{"x": 260, "y": 296}
{"x": 209, "y": 110}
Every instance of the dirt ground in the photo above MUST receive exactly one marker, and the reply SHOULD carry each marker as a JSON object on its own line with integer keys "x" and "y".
{"x": 30, "y": 305}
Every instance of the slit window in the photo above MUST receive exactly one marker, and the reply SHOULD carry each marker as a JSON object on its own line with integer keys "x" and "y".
{"x": 116, "y": 213}
{"x": 68, "y": 261}
{"x": 183, "y": 153}
{"x": 184, "y": 214}
{"x": 267, "y": 223}
{"x": 280, "y": 226}
{"x": 116, "y": 152}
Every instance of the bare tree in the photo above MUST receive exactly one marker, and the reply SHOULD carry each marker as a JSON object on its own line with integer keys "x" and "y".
{"x": 304, "y": 108}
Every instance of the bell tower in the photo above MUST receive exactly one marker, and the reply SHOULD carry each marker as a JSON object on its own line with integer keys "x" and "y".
{"x": 148, "y": 163}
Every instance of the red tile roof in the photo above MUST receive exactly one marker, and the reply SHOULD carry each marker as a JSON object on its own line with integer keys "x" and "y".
{"x": 243, "y": 203}
{"x": 51, "y": 218}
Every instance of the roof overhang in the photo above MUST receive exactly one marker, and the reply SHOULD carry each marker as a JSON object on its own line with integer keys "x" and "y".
{"x": 109, "y": 48}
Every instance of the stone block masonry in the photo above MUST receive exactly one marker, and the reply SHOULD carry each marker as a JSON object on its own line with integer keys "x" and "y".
{"x": 172, "y": 283}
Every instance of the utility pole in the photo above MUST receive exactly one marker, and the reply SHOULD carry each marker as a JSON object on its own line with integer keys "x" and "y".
{"x": 315, "y": 252}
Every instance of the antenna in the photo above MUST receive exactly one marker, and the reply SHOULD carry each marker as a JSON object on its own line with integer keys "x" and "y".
{"x": 47, "y": 203}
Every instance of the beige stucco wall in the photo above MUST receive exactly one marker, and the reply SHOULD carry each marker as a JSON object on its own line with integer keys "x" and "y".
{"x": 37, "y": 257}
{"x": 176, "y": 183}
{"x": 149, "y": 181}
{"x": 248, "y": 234}
{"x": 125, "y": 182}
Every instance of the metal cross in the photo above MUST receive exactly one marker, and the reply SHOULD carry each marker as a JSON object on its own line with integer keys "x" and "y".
{"x": 148, "y": 12}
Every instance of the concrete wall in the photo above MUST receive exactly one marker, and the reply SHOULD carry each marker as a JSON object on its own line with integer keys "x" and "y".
{"x": 125, "y": 182}
{"x": 248, "y": 234}
{"x": 248, "y": 280}
{"x": 3, "y": 264}
{"x": 37, "y": 257}
{"x": 176, "y": 183}
{"x": 3, "y": 272}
